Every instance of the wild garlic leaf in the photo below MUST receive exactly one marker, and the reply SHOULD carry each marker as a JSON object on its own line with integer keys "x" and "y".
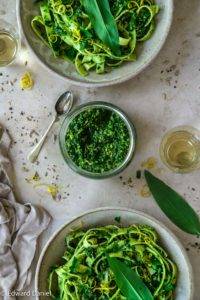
{"x": 173, "y": 205}
{"x": 103, "y": 23}
{"x": 128, "y": 281}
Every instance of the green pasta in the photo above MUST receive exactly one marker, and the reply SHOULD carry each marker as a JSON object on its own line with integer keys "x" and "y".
{"x": 67, "y": 29}
{"x": 85, "y": 272}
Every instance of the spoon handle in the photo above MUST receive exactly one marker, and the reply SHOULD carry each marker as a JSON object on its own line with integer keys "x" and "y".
{"x": 36, "y": 150}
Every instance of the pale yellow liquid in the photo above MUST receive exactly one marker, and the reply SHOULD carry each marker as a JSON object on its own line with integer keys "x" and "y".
{"x": 8, "y": 48}
{"x": 180, "y": 150}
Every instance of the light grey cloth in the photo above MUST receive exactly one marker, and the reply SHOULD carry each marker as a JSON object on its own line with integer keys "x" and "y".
{"x": 20, "y": 227}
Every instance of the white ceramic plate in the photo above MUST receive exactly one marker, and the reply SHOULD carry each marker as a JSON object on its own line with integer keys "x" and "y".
{"x": 147, "y": 52}
{"x": 55, "y": 247}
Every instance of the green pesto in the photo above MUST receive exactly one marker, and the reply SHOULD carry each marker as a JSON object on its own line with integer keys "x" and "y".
{"x": 97, "y": 140}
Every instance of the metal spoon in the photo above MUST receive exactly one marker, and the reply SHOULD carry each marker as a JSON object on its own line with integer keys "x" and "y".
{"x": 62, "y": 107}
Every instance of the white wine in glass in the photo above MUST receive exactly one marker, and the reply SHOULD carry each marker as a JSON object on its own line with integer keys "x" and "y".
{"x": 9, "y": 42}
{"x": 180, "y": 149}
{"x": 8, "y": 48}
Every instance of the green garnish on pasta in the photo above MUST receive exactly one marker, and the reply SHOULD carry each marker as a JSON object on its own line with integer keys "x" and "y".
{"x": 85, "y": 272}
{"x": 96, "y": 35}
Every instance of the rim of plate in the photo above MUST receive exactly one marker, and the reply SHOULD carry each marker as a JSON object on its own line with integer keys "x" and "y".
{"x": 99, "y": 84}
{"x": 134, "y": 211}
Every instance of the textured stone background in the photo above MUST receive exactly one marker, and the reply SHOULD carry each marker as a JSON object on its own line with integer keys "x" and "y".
{"x": 166, "y": 94}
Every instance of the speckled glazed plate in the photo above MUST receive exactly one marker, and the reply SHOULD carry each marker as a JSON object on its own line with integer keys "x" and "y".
{"x": 55, "y": 247}
{"x": 147, "y": 52}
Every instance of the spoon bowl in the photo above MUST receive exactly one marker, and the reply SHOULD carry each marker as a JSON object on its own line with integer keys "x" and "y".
{"x": 64, "y": 103}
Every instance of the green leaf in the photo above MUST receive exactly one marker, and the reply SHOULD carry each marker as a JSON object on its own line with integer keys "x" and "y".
{"x": 103, "y": 23}
{"x": 173, "y": 205}
{"x": 128, "y": 281}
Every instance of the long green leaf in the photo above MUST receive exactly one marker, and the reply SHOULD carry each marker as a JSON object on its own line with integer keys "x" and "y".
{"x": 128, "y": 281}
{"x": 103, "y": 22}
{"x": 173, "y": 205}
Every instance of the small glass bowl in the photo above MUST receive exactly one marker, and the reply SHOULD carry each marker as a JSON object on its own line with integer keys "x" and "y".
{"x": 12, "y": 34}
{"x": 183, "y": 140}
{"x": 77, "y": 111}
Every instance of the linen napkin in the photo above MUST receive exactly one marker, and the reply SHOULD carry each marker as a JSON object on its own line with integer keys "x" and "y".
{"x": 20, "y": 227}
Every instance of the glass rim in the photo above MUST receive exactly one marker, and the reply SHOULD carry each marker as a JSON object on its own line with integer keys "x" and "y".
{"x": 77, "y": 111}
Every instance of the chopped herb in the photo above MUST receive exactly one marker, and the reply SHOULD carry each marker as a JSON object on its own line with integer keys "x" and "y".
{"x": 138, "y": 174}
{"x": 118, "y": 219}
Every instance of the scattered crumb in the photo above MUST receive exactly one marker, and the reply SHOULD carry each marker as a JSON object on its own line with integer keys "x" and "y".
{"x": 194, "y": 245}
{"x": 150, "y": 163}
{"x": 138, "y": 174}
{"x": 118, "y": 219}
{"x": 33, "y": 132}
{"x": 55, "y": 136}
{"x": 164, "y": 95}
{"x": 25, "y": 169}
{"x": 145, "y": 192}
{"x": 34, "y": 178}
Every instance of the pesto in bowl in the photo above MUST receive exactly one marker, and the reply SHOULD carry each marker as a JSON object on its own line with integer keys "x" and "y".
{"x": 97, "y": 140}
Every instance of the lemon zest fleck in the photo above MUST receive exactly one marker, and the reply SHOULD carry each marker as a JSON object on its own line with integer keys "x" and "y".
{"x": 145, "y": 192}
{"x": 26, "y": 81}
{"x": 150, "y": 163}
{"x": 52, "y": 189}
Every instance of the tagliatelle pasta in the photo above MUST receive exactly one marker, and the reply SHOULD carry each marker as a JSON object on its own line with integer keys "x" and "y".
{"x": 85, "y": 273}
{"x": 66, "y": 28}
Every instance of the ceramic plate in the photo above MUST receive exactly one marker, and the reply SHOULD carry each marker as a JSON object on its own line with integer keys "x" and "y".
{"x": 146, "y": 53}
{"x": 55, "y": 247}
